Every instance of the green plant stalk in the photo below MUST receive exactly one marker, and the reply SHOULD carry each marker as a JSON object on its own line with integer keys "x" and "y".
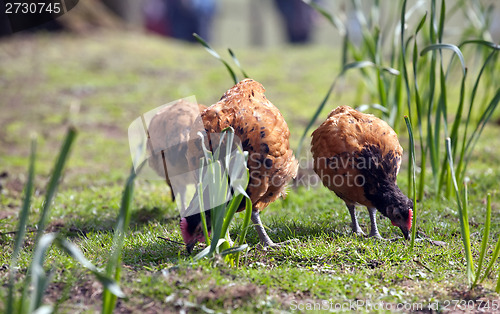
{"x": 432, "y": 31}
{"x": 441, "y": 21}
{"x": 397, "y": 101}
{"x": 462, "y": 214}
{"x": 244, "y": 227}
{"x": 461, "y": 164}
{"x": 354, "y": 65}
{"x": 73, "y": 251}
{"x": 485, "y": 117}
{"x": 49, "y": 195}
{"x": 218, "y": 213}
{"x": 484, "y": 242}
{"x": 217, "y": 56}
{"x": 412, "y": 166}
{"x": 203, "y": 216}
{"x": 201, "y": 204}
{"x": 316, "y": 115}
{"x": 219, "y": 191}
{"x": 113, "y": 267}
{"x": 233, "y": 206}
{"x": 39, "y": 279}
{"x": 433, "y": 134}
{"x": 497, "y": 289}
{"x": 237, "y": 62}
{"x": 21, "y": 229}
{"x": 441, "y": 112}
{"x": 407, "y": 87}
{"x": 381, "y": 89}
{"x": 54, "y": 181}
{"x": 430, "y": 131}
{"x": 458, "y": 119}
{"x": 419, "y": 107}
{"x": 494, "y": 257}
{"x": 406, "y": 81}
{"x": 217, "y": 185}
{"x": 235, "y": 203}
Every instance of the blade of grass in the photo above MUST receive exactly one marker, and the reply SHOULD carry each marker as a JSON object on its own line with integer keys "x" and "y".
{"x": 419, "y": 107}
{"x": 494, "y": 257}
{"x": 462, "y": 214}
{"x": 497, "y": 289}
{"x": 218, "y": 213}
{"x": 460, "y": 165}
{"x": 202, "y": 211}
{"x": 234, "y": 250}
{"x": 353, "y": 65}
{"x": 39, "y": 279}
{"x": 458, "y": 116}
{"x": 244, "y": 226}
{"x": 337, "y": 24}
{"x": 206, "y": 251}
{"x": 441, "y": 21}
{"x": 451, "y": 47}
{"x": 233, "y": 206}
{"x": 113, "y": 267}
{"x": 481, "y": 42}
{"x": 316, "y": 115}
{"x": 432, "y": 30}
{"x": 485, "y": 117}
{"x": 54, "y": 181}
{"x": 433, "y": 132}
{"x": 441, "y": 114}
{"x": 332, "y": 18}
{"x": 73, "y": 251}
{"x": 21, "y": 229}
{"x": 403, "y": 57}
{"x": 484, "y": 242}
{"x": 217, "y": 56}
{"x": 49, "y": 195}
{"x": 430, "y": 142}
{"x": 412, "y": 166}
{"x": 237, "y": 62}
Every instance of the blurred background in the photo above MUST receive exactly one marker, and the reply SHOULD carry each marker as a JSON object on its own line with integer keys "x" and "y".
{"x": 105, "y": 62}
{"x": 243, "y": 23}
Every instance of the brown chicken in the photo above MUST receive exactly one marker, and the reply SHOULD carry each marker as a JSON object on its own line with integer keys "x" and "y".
{"x": 168, "y": 134}
{"x": 264, "y": 135}
{"x": 358, "y": 156}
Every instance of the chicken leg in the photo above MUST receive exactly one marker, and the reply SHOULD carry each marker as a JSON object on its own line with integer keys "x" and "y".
{"x": 264, "y": 238}
{"x": 355, "y": 226}
{"x": 373, "y": 219}
{"x": 265, "y": 241}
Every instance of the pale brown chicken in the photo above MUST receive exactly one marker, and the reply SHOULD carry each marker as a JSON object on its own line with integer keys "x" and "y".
{"x": 358, "y": 156}
{"x": 168, "y": 133}
{"x": 264, "y": 134}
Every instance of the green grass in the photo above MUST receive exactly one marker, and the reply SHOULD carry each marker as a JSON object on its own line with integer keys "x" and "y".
{"x": 112, "y": 78}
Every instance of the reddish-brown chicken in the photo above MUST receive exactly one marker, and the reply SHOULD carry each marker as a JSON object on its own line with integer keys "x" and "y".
{"x": 168, "y": 133}
{"x": 264, "y": 135}
{"x": 358, "y": 156}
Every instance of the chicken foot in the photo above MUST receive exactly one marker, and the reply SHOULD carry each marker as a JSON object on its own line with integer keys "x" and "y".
{"x": 373, "y": 220}
{"x": 265, "y": 241}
